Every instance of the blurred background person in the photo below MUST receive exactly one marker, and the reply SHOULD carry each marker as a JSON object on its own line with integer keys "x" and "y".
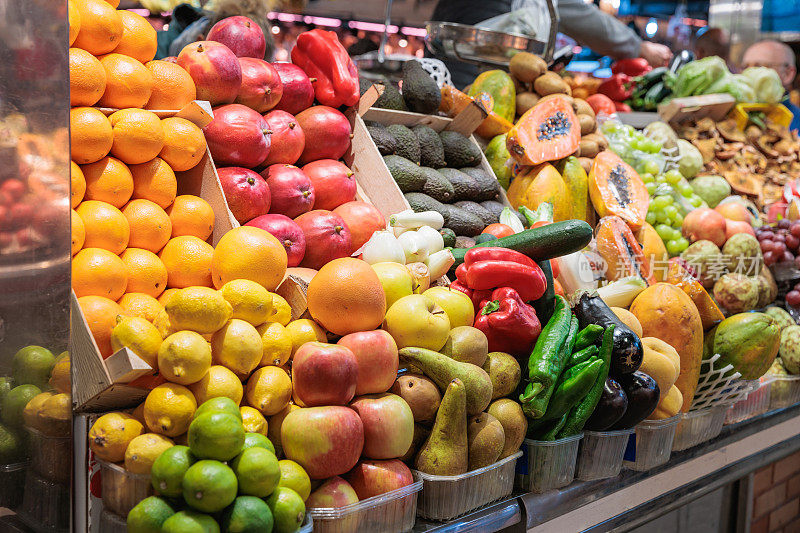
{"x": 713, "y": 42}
{"x": 779, "y": 57}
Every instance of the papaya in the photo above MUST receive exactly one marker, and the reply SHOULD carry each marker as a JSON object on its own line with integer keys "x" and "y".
{"x": 493, "y": 125}
{"x": 546, "y": 132}
{"x": 498, "y": 157}
{"x": 667, "y": 313}
{"x": 619, "y": 249}
{"x": 747, "y": 341}
{"x": 654, "y": 250}
{"x": 500, "y": 86}
{"x": 454, "y": 102}
{"x": 578, "y": 184}
{"x": 710, "y": 313}
{"x": 616, "y": 189}
{"x": 542, "y": 183}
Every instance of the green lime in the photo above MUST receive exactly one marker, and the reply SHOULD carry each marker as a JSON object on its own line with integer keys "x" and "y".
{"x": 293, "y": 476}
{"x": 248, "y": 514}
{"x": 217, "y": 436}
{"x": 168, "y": 470}
{"x": 257, "y": 471}
{"x": 32, "y": 365}
{"x": 11, "y": 445}
{"x": 15, "y": 401}
{"x": 6, "y": 384}
{"x": 288, "y": 510}
{"x": 220, "y": 404}
{"x": 149, "y": 515}
{"x": 209, "y": 486}
{"x": 190, "y": 522}
{"x": 252, "y": 440}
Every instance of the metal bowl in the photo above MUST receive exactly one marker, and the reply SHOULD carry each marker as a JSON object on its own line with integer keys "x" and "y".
{"x": 449, "y": 40}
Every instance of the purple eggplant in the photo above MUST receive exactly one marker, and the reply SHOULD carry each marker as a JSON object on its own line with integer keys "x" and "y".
{"x": 643, "y": 394}
{"x": 611, "y": 407}
{"x": 628, "y": 351}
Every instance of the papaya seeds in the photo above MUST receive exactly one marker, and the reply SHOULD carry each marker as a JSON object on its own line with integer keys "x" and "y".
{"x": 547, "y": 132}
{"x": 526, "y": 67}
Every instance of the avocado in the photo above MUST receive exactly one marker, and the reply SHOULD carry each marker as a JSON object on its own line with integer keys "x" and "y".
{"x": 464, "y": 242}
{"x": 431, "y": 151}
{"x": 495, "y": 208}
{"x": 459, "y": 151}
{"x": 391, "y": 97}
{"x": 485, "y": 237}
{"x": 464, "y": 187}
{"x": 477, "y": 210}
{"x": 420, "y": 202}
{"x": 462, "y": 222}
{"x": 421, "y": 93}
{"x": 488, "y": 184}
{"x": 448, "y": 236}
{"x": 437, "y": 186}
{"x": 363, "y": 85}
{"x": 406, "y": 143}
{"x": 405, "y": 173}
{"x": 382, "y": 139}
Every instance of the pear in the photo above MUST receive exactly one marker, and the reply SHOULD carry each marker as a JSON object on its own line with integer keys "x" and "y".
{"x": 485, "y": 440}
{"x": 515, "y": 425}
{"x": 504, "y": 371}
{"x": 442, "y": 370}
{"x": 420, "y": 435}
{"x": 445, "y": 452}
{"x": 421, "y": 395}
{"x": 467, "y": 345}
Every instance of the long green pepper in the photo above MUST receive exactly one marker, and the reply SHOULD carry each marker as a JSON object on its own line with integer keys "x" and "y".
{"x": 588, "y": 336}
{"x": 583, "y": 355}
{"x": 573, "y": 386}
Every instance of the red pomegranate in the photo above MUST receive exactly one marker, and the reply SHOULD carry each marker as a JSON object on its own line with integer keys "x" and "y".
{"x": 285, "y": 230}
{"x": 327, "y": 133}
{"x": 334, "y": 183}
{"x": 287, "y": 136}
{"x": 246, "y": 191}
{"x": 363, "y": 219}
{"x": 298, "y": 93}
{"x": 261, "y": 86}
{"x": 244, "y": 37}
{"x": 238, "y": 136}
{"x": 291, "y": 190}
{"x": 327, "y": 237}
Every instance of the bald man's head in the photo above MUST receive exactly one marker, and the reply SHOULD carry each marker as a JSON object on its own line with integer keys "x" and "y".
{"x": 713, "y": 42}
{"x": 772, "y": 54}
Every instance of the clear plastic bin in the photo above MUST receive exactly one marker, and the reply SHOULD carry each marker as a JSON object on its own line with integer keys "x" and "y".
{"x": 699, "y": 426}
{"x": 122, "y": 490}
{"x": 307, "y": 526}
{"x": 12, "y": 483}
{"x": 550, "y": 464}
{"x": 111, "y": 522}
{"x": 51, "y": 457}
{"x": 757, "y": 402}
{"x": 446, "y": 497}
{"x": 45, "y": 505}
{"x": 785, "y": 391}
{"x": 651, "y": 444}
{"x": 600, "y": 454}
{"x": 393, "y": 511}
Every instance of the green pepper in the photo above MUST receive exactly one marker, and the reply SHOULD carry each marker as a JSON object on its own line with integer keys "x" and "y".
{"x": 573, "y": 387}
{"x": 582, "y": 355}
{"x": 551, "y": 433}
{"x": 588, "y": 336}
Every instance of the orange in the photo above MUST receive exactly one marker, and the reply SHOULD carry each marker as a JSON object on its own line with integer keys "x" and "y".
{"x": 173, "y": 87}
{"x": 114, "y": 3}
{"x": 141, "y": 305}
{"x": 100, "y": 27}
{"x": 87, "y": 78}
{"x": 128, "y": 83}
{"x": 106, "y": 226}
{"x": 150, "y": 226}
{"x": 98, "y": 272}
{"x": 154, "y": 181}
{"x": 166, "y": 294}
{"x": 188, "y": 261}
{"x": 78, "y": 184}
{"x": 146, "y": 272}
{"x": 78, "y": 232}
{"x": 138, "y": 135}
{"x": 138, "y": 37}
{"x": 89, "y": 134}
{"x": 74, "y": 20}
{"x": 184, "y": 143}
{"x": 249, "y": 253}
{"x": 191, "y": 215}
{"x": 108, "y": 180}
{"x": 101, "y": 317}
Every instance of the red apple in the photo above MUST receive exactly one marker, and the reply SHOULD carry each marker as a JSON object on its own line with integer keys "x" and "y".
{"x": 775, "y": 210}
{"x": 246, "y": 192}
{"x": 363, "y": 219}
{"x": 734, "y": 211}
{"x": 325, "y": 441}
{"x": 238, "y": 136}
{"x": 388, "y": 425}
{"x": 327, "y": 237}
{"x": 371, "y": 478}
{"x": 376, "y": 355}
{"x": 261, "y": 86}
{"x": 334, "y": 492}
{"x": 327, "y": 133}
{"x": 324, "y": 374}
{"x": 285, "y": 230}
{"x": 288, "y": 139}
{"x": 292, "y": 192}
{"x": 215, "y": 70}
{"x": 334, "y": 183}
{"x": 244, "y": 37}
{"x": 298, "y": 93}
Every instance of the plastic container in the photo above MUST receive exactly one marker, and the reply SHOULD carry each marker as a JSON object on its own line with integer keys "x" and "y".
{"x": 550, "y": 464}
{"x": 307, "y": 526}
{"x": 600, "y": 454}
{"x": 777, "y": 113}
{"x": 393, "y": 511}
{"x": 51, "y": 457}
{"x": 122, "y": 490}
{"x": 446, "y": 497}
{"x": 12, "y": 484}
{"x": 651, "y": 444}
{"x": 696, "y": 427}
{"x": 111, "y": 522}
{"x": 757, "y": 402}
{"x": 45, "y": 505}
{"x": 785, "y": 391}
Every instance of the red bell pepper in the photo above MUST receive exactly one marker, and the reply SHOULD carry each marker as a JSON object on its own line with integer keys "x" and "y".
{"x": 529, "y": 282}
{"x": 509, "y": 324}
{"x": 635, "y": 66}
{"x": 494, "y": 253}
{"x": 320, "y": 54}
{"x": 618, "y": 87}
{"x": 477, "y": 297}
{"x": 622, "y": 107}
{"x": 461, "y": 273}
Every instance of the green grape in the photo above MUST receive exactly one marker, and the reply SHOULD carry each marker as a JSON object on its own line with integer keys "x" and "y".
{"x": 672, "y": 178}
{"x": 647, "y": 177}
{"x": 662, "y": 217}
{"x": 676, "y": 234}
{"x": 683, "y": 243}
{"x": 685, "y": 193}
{"x": 661, "y": 179}
{"x": 610, "y": 127}
{"x": 651, "y": 188}
{"x": 651, "y": 167}
{"x": 696, "y": 201}
{"x": 660, "y": 202}
{"x": 664, "y": 231}
{"x": 673, "y": 247}
{"x": 652, "y": 146}
{"x": 650, "y": 217}
{"x": 671, "y": 211}
{"x": 677, "y": 220}
{"x": 685, "y": 189}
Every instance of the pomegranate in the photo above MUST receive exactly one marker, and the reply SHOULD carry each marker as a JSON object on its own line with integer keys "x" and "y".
{"x": 246, "y": 191}
{"x": 327, "y": 133}
{"x": 334, "y": 183}
{"x": 287, "y": 136}
{"x": 298, "y": 93}
{"x": 287, "y": 232}
{"x": 705, "y": 224}
{"x": 291, "y": 190}
{"x": 238, "y": 136}
{"x": 327, "y": 237}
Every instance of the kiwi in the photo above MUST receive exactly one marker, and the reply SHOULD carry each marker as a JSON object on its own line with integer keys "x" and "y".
{"x": 601, "y": 140}
{"x": 588, "y": 148}
{"x": 588, "y": 124}
{"x": 526, "y": 67}
{"x": 581, "y": 107}
{"x": 556, "y": 95}
{"x": 550, "y": 83}
{"x": 525, "y": 101}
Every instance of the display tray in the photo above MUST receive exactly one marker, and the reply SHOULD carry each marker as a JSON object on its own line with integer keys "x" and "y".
{"x": 785, "y": 391}
{"x": 548, "y": 465}
{"x": 757, "y": 402}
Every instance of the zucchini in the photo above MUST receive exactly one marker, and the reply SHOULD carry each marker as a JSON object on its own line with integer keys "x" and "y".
{"x": 544, "y": 242}
{"x": 545, "y": 305}
{"x": 627, "y": 351}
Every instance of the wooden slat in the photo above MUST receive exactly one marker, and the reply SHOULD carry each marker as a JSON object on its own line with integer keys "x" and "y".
{"x": 124, "y": 366}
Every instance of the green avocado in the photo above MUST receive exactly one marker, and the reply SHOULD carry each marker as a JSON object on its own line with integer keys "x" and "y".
{"x": 449, "y": 237}
{"x": 488, "y": 185}
{"x": 459, "y": 151}
{"x": 406, "y": 143}
{"x": 462, "y": 222}
{"x": 391, "y": 97}
{"x": 408, "y": 176}
{"x": 431, "y": 151}
{"x": 437, "y": 186}
{"x": 464, "y": 187}
{"x": 478, "y": 210}
{"x": 382, "y": 139}
{"x": 421, "y": 93}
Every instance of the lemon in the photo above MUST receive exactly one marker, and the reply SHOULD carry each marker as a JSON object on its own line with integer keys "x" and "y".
{"x": 294, "y": 477}
{"x": 253, "y": 420}
{"x": 139, "y": 336}
{"x": 276, "y": 344}
{"x": 30, "y": 414}
{"x": 269, "y": 390}
{"x": 305, "y": 330}
{"x": 199, "y": 309}
{"x": 250, "y": 301}
{"x": 55, "y": 415}
{"x": 143, "y": 450}
{"x": 163, "y": 325}
{"x": 276, "y": 421}
{"x": 60, "y": 378}
{"x": 237, "y": 346}
{"x": 138, "y": 413}
{"x": 184, "y": 357}
{"x": 218, "y": 381}
{"x": 281, "y": 310}
{"x": 110, "y": 435}
{"x": 168, "y": 409}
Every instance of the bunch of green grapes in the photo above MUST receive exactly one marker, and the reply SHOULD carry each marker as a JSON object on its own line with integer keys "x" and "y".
{"x": 671, "y": 198}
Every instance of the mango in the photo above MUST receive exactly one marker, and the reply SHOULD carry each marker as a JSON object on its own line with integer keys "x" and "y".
{"x": 669, "y": 405}
{"x": 662, "y": 362}
{"x": 748, "y": 341}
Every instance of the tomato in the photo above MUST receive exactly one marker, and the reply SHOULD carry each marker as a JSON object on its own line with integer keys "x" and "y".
{"x": 601, "y": 103}
{"x": 498, "y": 230}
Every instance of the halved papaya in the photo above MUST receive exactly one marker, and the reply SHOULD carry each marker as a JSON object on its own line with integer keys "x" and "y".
{"x": 500, "y": 85}
{"x": 546, "y": 132}
{"x": 710, "y": 313}
{"x": 454, "y": 102}
{"x": 493, "y": 125}
{"x": 654, "y": 250}
{"x": 616, "y": 189}
{"x": 543, "y": 183}
{"x": 617, "y": 246}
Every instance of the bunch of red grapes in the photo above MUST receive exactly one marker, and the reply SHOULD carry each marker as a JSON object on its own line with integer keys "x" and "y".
{"x": 779, "y": 242}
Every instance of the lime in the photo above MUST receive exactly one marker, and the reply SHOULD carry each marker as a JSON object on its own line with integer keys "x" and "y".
{"x": 32, "y": 365}
{"x": 288, "y": 510}
{"x": 248, "y": 514}
{"x": 219, "y": 404}
{"x": 293, "y": 476}
{"x": 209, "y": 486}
{"x": 217, "y": 436}
{"x": 148, "y": 515}
{"x": 6, "y": 384}
{"x": 252, "y": 440}
{"x": 257, "y": 471}
{"x": 190, "y": 522}
{"x": 168, "y": 469}
{"x": 15, "y": 401}
{"x": 11, "y": 445}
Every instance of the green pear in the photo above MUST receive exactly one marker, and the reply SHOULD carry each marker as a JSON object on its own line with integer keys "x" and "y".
{"x": 420, "y": 436}
{"x": 445, "y": 453}
{"x": 485, "y": 440}
{"x": 515, "y": 425}
{"x": 505, "y": 373}
{"x": 467, "y": 345}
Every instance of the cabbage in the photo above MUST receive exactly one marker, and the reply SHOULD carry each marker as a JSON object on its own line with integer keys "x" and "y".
{"x": 691, "y": 161}
{"x": 734, "y": 85}
{"x": 696, "y": 77}
{"x": 765, "y": 83}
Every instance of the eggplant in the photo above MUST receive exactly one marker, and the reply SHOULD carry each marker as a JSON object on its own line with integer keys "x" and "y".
{"x": 611, "y": 407}
{"x": 643, "y": 396}
{"x": 627, "y": 354}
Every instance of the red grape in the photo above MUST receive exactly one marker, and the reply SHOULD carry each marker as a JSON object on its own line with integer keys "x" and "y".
{"x": 768, "y": 234}
{"x": 784, "y": 223}
{"x": 793, "y": 298}
{"x": 780, "y": 237}
{"x": 792, "y": 242}
{"x": 795, "y": 230}
{"x": 779, "y": 248}
{"x": 766, "y": 245}
{"x": 797, "y": 263}
{"x": 769, "y": 258}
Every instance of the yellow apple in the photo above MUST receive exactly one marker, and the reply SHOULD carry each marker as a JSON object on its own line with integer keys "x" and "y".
{"x": 396, "y": 280}
{"x": 416, "y": 320}
{"x": 456, "y": 304}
